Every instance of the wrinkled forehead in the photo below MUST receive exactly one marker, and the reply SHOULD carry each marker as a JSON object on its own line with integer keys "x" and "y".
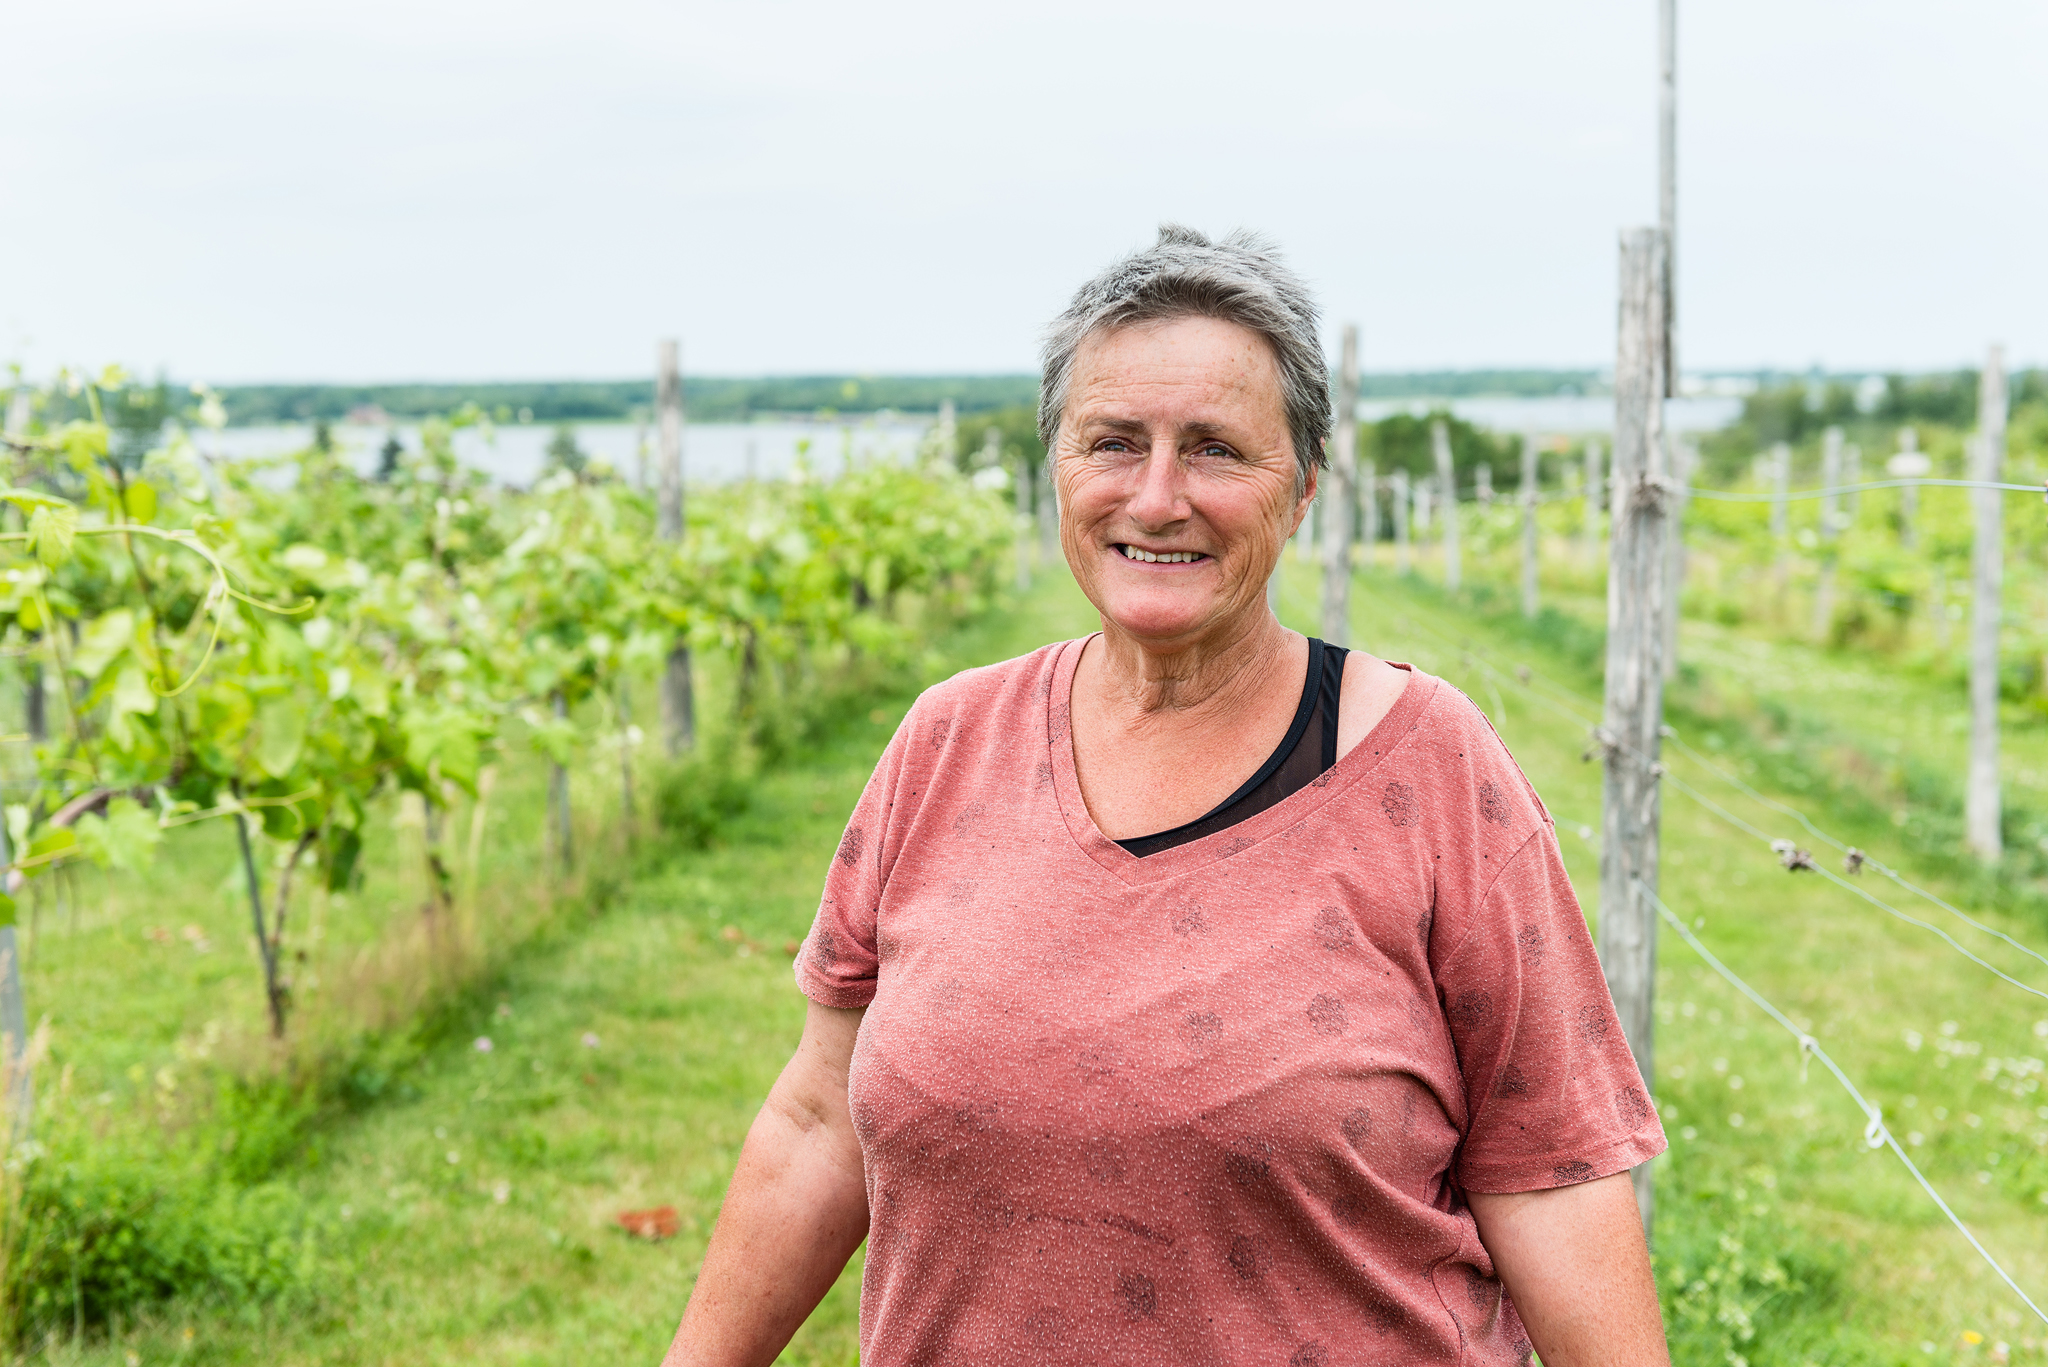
{"x": 1195, "y": 371}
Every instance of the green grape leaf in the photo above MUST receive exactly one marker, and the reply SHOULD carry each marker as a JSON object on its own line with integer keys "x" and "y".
{"x": 140, "y": 502}
{"x": 51, "y": 840}
{"x": 338, "y": 859}
{"x": 102, "y": 641}
{"x": 51, "y": 530}
{"x": 132, "y": 694}
{"x": 9, "y": 913}
{"x": 280, "y": 734}
{"x": 125, "y": 838}
{"x": 28, "y": 500}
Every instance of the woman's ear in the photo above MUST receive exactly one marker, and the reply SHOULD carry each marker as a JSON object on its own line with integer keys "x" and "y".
{"x": 1308, "y": 497}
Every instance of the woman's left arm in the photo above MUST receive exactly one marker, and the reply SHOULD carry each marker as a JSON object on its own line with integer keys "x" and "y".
{"x": 1574, "y": 1260}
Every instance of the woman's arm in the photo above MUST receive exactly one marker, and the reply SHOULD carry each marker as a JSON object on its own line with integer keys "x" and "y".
{"x": 795, "y": 1212}
{"x": 1575, "y": 1262}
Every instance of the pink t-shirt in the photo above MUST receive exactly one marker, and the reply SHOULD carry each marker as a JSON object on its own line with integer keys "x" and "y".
{"x": 1218, "y": 1105}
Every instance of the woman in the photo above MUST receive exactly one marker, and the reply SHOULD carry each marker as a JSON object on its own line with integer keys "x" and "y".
{"x": 1194, "y": 993}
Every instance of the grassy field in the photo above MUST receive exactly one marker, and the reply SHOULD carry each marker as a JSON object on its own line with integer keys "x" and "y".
{"x": 469, "y": 1213}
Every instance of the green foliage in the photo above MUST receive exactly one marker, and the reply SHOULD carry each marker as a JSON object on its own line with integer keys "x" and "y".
{"x": 1402, "y": 441}
{"x": 706, "y": 399}
{"x": 1739, "y": 1287}
{"x": 107, "y": 1226}
{"x": 698, "y": 798}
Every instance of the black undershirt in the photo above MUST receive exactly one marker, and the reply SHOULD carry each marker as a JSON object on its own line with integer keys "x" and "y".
{"x": 1308, "y": 751}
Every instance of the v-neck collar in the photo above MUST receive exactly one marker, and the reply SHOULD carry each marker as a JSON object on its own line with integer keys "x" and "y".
{"x": 1176, "y": 860}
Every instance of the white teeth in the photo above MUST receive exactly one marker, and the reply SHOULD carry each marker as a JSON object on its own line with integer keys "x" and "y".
{"x": 1170, "y": 558}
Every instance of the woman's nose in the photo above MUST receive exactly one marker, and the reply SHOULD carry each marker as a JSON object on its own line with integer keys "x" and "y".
{"x": 1157, "y": 500}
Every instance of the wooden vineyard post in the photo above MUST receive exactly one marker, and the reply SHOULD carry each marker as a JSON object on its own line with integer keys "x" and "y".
{"x": 1830, "y": 528}
{"x": 1594, "y": 464}
{"x": 1981, "y": 808}
{"x": 1667, "y": 186}
{"x": 1397, "y": 503}
{"x": 1369, "y": 512}
{"x": 561, "y": 826}
{"x": 1447, "y": 480}
{"x": 1634, "y": 713}
{"x": 1482, "y": 485}
{"x": 678, "y": 707}
{"x": 13, "y": 1011}
{"x": 1909, "y": 463}
{"x": 1339, "y": 502}
{"x": 1048, "y": 500}
{"x": 992, "y": 456}
{"x": 1682, "y": 458}
{"x": 1528, "y": 499}
{"x": 1781, "y": 536}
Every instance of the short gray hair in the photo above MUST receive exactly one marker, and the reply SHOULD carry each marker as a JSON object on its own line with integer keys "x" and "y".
{"x": 1184, "y": 275}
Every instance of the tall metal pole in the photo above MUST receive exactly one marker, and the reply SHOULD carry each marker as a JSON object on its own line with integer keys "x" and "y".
{"x": 1634, "y": 713}
{"x": 677, "y": 705}
{"x": 1341, "y": 499}
{"x": 1529, "y": 588}
{"x": 1447, "y": 480}
{"x": 1667, "y": 180}
{"x": 1981, "y": 809}
{"x": 1397, "y": 501}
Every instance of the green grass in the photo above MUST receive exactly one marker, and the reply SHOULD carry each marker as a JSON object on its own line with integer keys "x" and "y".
{"x": 1826, "y": 1247}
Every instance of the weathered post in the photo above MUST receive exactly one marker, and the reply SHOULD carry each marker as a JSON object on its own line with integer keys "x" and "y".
{"x": 1369, "y": 511}
{"x": 678, "y": 707}
{"x": 1981, "y": 810}
{"x": 1781, "y": 536}
{"x": 560, "y": 823}
{"x": 1397, "y": 501}
{"x": 13, "y": 1013}
{"x": 945, "y": 437}
{"x": 1682, "y": 458}
{"x": 1447, "y": 480}
{"x": 1528, "y": 493}
{"x": 1852, "y": 475}
{"x": 1482, "y": 485}
{"x": 1634, "y": 712}
{"x": 992, "y": 457}
{"x": 1910, "y": 463}
{"x": 1048, "y": 499}
{"x": 1667, "y": 184}
{"x": 1830, "y": 528}
{"x": 1594, "y": 464}
{"x": 1342, "y": 496}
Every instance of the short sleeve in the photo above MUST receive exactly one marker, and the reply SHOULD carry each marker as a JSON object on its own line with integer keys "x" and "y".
{"x": 1553, "y": 1095}
{"x": 838, "y": 962}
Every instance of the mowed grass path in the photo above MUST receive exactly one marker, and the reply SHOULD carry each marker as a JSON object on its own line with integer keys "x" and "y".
{"x": 692, "y": 1025}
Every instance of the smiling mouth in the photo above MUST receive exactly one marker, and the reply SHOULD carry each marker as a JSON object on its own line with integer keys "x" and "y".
{"x": 1159, "y": 558}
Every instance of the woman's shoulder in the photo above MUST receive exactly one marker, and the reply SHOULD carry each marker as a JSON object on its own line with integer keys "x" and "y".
{"x": 1453, "y": 739}
{"x": 999, "y": 696}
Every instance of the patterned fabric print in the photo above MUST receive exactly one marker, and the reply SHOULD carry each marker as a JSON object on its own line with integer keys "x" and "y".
{"x": 1220, "y": 1104}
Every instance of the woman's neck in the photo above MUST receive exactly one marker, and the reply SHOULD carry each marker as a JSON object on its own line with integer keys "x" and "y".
{"x": 1142, "y": 684}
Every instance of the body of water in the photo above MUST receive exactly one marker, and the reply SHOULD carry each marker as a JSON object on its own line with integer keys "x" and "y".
{"x": 717, "y": 452}
{"x": 713, "y": 452}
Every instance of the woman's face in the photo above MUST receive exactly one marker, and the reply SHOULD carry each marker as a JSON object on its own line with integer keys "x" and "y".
{"x": 1174, "y": 444}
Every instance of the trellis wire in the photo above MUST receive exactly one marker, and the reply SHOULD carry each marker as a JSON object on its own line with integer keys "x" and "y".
{"x": 1876, "y": 1133}
{"x": 1688, "y": 790}
{"x": 1729, "y": 496}
{"x": 1868, "y": 859}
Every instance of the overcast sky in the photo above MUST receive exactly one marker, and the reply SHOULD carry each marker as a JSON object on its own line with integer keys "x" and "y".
{"x": 240, "y": 191}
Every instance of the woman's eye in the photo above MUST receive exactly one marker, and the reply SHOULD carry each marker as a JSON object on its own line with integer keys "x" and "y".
{"x": 1214, "y": 449}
